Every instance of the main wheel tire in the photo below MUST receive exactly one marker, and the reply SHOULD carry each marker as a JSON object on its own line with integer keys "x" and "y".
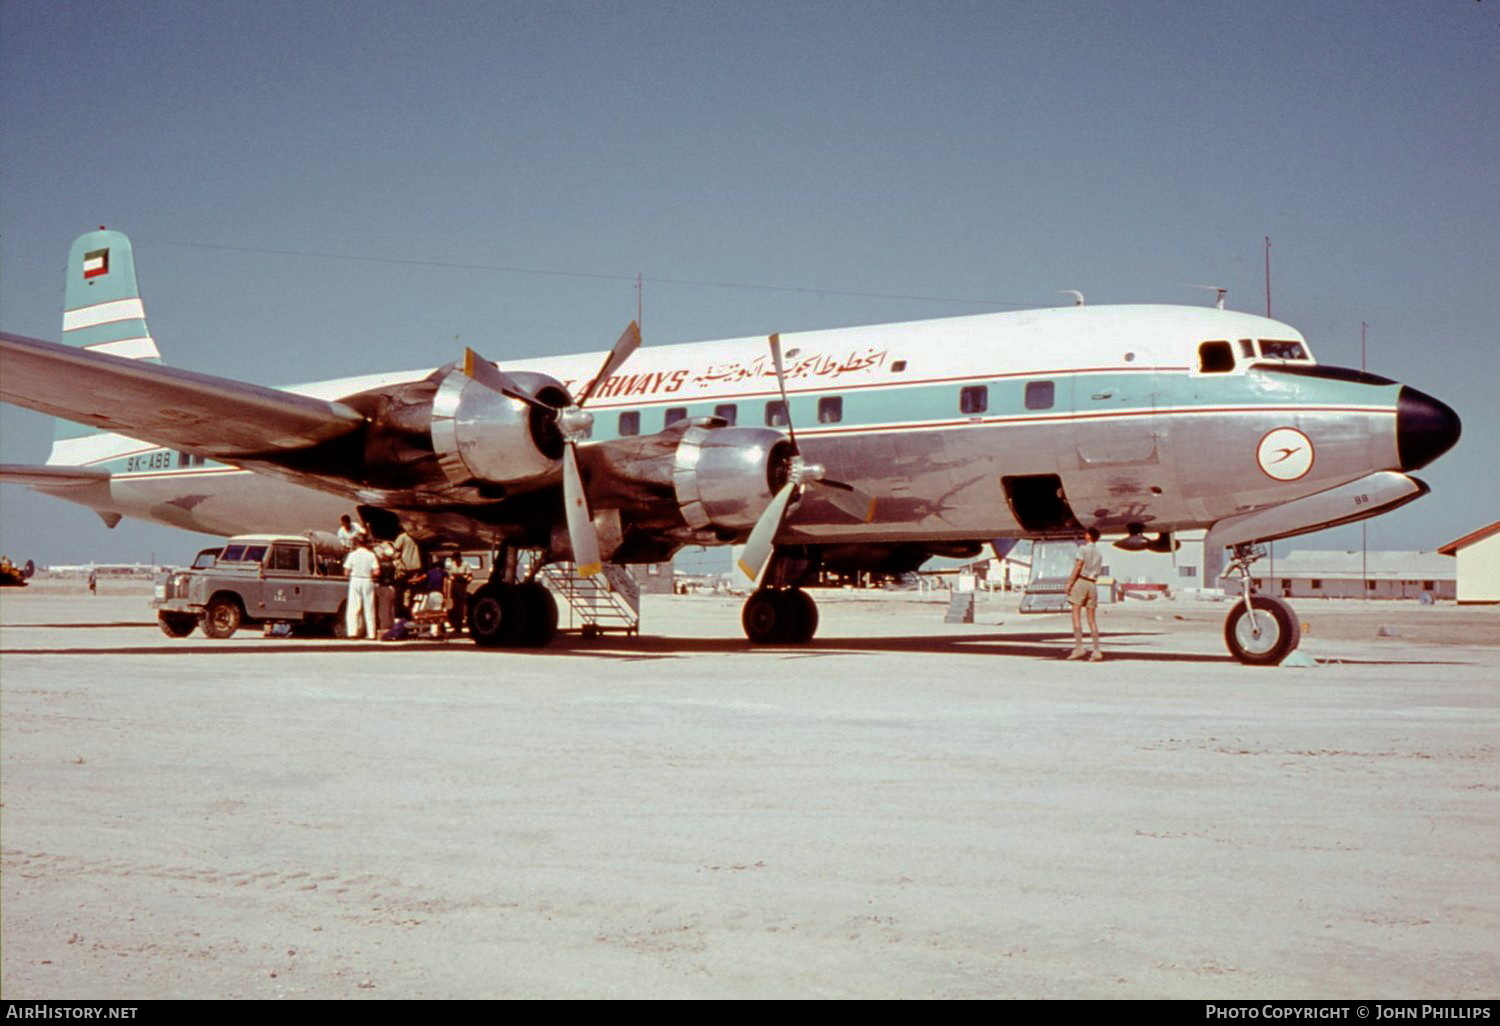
{"x": 1275, "y": 635}
{"x": 803, "y": 622}
{"x": 769, "y": 616}
{"x": 541, "y": 615}
{"x": 176, "y": 625}
{"x": 498, "y": 616}
{"x": 222, "y": 618}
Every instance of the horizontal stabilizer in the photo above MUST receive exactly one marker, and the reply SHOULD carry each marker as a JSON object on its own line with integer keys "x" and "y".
{"x": 50, "y": 476}
{"x": 195, "y": 412}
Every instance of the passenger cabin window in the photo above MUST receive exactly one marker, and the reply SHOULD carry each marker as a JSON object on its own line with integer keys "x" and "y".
{"x": 285, "y": 557}
{"x": 830, "y": 409}
{"x": 728, "y": 411}
{"x": 1282, "y": 349}
{"x": 1215, "y": 358}
{"x": 776, "y": 414}
{"x": 630, "y": 423}
{"x": 898, "y": 366}
{"x": 674, "y": 414}
{"x": 974, "y": 399}
{"x": 1040, "y": 395}
{"x": 183, "y": 459}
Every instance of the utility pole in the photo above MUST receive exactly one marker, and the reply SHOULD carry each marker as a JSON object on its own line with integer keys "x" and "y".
{"x": 1364, "y": 525}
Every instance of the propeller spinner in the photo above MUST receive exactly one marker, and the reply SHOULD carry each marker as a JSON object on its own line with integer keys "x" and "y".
{"x": 573, "y": 423}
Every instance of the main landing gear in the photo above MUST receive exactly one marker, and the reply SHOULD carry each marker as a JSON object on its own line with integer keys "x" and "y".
{"x": 1260, "y": 630}
{"x": 780, "y": 616}
{"x": 512, "y": 615}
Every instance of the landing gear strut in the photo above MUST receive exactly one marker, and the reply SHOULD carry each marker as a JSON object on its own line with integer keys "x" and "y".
{"x": 1260, "y": 630}
{"x": 780, "y": 616}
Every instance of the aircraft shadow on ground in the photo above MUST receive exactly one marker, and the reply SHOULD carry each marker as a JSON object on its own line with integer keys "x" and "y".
{"x": 1052, "y": 645}
{"x": 77, "y": 626}
{"x": 1044, "y": 645}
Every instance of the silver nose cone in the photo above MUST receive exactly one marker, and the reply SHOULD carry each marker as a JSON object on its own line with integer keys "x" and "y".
{"x": 1425, "y": 428}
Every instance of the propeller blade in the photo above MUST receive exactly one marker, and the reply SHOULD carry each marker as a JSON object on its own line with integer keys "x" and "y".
{"x": 492, "y": 377}
{"x": 581, "y": 535}
{"x": 763, "y": 538}
{"x": 786, "y": 403}
{"x": 628, "y": 342}
{"x": 849, "y": 499}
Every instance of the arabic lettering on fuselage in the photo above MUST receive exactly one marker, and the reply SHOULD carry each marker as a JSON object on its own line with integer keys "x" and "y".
{"x": 803, "y": 368}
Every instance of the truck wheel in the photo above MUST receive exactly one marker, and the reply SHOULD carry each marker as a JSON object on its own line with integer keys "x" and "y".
{"x": 176, "y": 625}
{"x": 222, "y": 618}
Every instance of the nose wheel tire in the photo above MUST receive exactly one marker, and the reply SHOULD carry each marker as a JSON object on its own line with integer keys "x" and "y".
{"x": 1271, "y": 639}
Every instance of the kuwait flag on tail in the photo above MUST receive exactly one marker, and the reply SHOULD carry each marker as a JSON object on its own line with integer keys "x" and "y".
{"x": 96, "y": 263}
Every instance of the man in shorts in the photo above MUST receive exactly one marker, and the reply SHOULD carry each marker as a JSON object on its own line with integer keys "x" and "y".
{"x": 1083, "y": 593}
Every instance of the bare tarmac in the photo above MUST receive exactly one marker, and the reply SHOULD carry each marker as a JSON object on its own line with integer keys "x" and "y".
{"x": 903, "y": 808}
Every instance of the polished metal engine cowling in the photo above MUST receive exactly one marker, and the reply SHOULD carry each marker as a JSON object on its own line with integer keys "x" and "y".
{"x": 480, "y": 434}
{"x": 725, "y": 477}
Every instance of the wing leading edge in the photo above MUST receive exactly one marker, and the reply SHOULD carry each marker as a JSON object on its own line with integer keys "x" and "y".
{"x": 183, "y": 409}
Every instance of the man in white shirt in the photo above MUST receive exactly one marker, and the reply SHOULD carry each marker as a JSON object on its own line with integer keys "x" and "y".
{"x": 349, "y": 530}
{"x": 1083, "y": 593}
{"x": 361, "y": 566}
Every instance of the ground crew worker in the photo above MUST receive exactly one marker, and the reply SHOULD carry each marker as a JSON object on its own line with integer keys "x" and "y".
{"x": 1083, "y": 593}
{"x": 360, "y": 565}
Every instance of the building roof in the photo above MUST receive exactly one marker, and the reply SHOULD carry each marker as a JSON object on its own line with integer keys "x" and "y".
{"x": 1351, "y": 564}
{"x": 1451, "y": 549}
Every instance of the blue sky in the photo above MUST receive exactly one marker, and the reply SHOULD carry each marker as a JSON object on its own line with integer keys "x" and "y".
{"x": 989, "y": 152}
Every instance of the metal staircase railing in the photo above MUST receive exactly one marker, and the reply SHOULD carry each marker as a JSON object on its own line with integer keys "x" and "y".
{"x": 610, "y": 601}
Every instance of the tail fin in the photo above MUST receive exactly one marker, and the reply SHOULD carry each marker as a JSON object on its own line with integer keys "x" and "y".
{"x": 102, "y": 308}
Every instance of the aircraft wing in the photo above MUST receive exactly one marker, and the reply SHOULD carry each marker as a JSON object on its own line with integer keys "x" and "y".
{"x": 172, "y": 407}
{"x": 50, "y": 476}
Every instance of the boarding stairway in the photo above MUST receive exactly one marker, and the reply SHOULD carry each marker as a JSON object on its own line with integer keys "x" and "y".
{"x": 610, "y": 601}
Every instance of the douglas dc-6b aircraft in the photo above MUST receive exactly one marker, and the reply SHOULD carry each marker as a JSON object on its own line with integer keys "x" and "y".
{"x": 910, "y": 440}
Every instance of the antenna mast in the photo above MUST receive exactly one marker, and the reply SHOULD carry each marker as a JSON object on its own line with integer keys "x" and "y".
{"x": 1268, "y": 276}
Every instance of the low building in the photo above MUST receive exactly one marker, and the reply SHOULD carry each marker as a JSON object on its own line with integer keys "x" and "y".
{"x": 1356, "y": 574}
{"x": 1477, "y": 564}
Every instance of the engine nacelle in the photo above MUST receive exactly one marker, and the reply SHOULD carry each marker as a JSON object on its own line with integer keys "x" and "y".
{"x": 725, "y": 477}
{"x": 482, "y": 435}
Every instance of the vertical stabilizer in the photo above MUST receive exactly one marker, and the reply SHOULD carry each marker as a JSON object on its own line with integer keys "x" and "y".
{"x": 102, "y": 308}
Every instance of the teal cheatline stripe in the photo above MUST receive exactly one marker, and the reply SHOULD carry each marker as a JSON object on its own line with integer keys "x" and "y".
{"x": 135, "y": 327}
{"x": 101, "y": 269}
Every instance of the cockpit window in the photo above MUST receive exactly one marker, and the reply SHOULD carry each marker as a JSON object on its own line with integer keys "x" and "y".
{"x": 1247, "y": 348}
{"x": 1281, "y": 349}
{"x": 1215, "y": 358}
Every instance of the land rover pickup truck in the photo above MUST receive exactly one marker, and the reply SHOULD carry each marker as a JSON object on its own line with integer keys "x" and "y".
{"x": 257, "y": 579}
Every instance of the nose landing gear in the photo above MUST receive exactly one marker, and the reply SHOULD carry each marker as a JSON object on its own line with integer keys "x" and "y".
{"x": 1260, "y": 630}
